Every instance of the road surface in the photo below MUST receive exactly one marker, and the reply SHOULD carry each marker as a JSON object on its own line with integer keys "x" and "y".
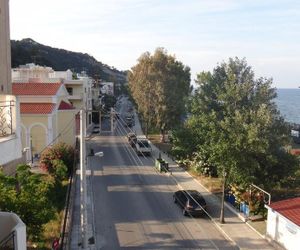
{"x": 133, "y": 203}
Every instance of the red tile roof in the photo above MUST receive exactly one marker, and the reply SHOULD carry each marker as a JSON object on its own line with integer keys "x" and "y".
{"x": 37, "y": 108}
{"x": 289, "y": 208}
{"x": 64, "y": 106}
{"x": 35, "y": 88}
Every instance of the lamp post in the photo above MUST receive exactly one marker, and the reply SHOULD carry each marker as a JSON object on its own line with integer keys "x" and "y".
{"x": 83, "y": 187}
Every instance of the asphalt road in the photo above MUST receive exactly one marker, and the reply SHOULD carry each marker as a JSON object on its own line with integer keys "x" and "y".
{"x": 133, "y": 203}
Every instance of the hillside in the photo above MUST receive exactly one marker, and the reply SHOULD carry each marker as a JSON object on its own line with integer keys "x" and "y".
{"x": 28, "y": 51}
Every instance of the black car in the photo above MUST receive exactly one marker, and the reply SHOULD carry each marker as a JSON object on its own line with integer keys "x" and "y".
{"x": 191, "y": 201}
{"x": 129, "y": 122}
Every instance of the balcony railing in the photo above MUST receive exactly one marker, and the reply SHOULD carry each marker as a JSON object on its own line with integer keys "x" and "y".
{"x": 8, "y": 243}
{"x": 6, "y": 118}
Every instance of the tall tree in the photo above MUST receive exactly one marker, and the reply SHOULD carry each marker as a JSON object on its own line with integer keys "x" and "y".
{"x": 240, "y": 129}
{"x": 160, "y": 85}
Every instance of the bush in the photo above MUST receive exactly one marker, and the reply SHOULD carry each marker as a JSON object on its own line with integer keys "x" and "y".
{"x": 58, "y": 160}
{"x": 27, "y": 195}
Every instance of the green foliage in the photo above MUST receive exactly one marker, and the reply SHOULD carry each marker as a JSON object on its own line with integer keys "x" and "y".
{"x": 238, "y": 126}
{"x": 58, "y": 160}
{"x": 160, "y": 86}
{"x": 183, "y": 143}
{"x": 27, "y": 195}
{"x": 60, "y": 169}
{"x": 109, "y": 101}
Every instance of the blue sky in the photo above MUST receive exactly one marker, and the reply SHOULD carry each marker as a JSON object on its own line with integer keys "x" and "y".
{"x": 200, "y": 33}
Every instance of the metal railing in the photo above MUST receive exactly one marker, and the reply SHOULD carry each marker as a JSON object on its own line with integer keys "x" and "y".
{"x": 8, "y": 243}
{"x": 6, "y": 118}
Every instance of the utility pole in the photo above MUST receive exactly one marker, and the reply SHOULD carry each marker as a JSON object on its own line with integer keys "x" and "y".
{"x": 112, "y": 115}
{"x": 83, "y": 192}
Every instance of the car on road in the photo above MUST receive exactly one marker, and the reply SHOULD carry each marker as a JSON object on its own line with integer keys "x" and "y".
{"x": 129, "y": 122}
{"x": 96, "y": 129}
{"x": 131, "y": 137}
{"x": 191, "y": 202}
{"x": 142, "y": 146}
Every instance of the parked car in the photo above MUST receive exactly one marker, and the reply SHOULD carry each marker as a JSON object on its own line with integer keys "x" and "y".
{"x": 191, "y": 202}
{"x": 131, "y": 137}
{"x": 143, "y": 147}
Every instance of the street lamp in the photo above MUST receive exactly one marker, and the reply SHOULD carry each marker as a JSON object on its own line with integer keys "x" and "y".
{"x": 83, "y": 189}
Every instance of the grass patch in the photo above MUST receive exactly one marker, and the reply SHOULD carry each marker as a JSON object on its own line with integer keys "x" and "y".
{"x": 213, "y": 184}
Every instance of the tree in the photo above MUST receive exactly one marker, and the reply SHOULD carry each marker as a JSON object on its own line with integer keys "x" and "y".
{"x": 240, "y": 129}
{"x": 160, "y": 86}
{"x": 109, "y": 101}
{"x": 27, "y": 195}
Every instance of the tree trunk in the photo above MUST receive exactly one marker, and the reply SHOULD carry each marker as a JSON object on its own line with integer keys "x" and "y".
{"x": 222, "y": 220}
{"x": 162, "y": 136}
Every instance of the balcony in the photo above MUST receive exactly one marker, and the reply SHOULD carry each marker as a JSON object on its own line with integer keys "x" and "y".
{"x": 75, "y": 97}
{"x": 6, "y": 117}
{"x": 12, "y": 232}
{"x": 10, "y": 140}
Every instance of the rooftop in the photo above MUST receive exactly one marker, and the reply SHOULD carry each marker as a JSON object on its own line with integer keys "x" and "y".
{"x": 289, "y": 208}
{"x": 35, "y": 88}
{"x": 37, "y": 108}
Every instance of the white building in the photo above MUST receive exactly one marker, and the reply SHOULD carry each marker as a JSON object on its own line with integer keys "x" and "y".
{"x": 10, "y": 139}
{"x": 12, "y": 229}
{"x": 107, "y": 88}
{"x": 283, "y": 223}
{"x": 31, "y": 73}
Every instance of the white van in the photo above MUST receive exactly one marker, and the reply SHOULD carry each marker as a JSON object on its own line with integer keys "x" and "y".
{"x": 142, "y": 146}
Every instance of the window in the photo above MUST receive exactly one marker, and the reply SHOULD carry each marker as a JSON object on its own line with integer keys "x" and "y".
{"x": 70, "y": 91}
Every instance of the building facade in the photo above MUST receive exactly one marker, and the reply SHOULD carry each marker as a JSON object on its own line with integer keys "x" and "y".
{"x": 283, "y": 223}
{"x": 12, "y": 229}
{"x": 47, "y": 117}
{"x": 5, "y": 57}
{"x": 10, "y": 142}
{"x": 78, "y": 86}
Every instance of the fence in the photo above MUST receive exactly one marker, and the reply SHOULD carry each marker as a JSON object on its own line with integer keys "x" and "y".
{"x": 8, "y": 243}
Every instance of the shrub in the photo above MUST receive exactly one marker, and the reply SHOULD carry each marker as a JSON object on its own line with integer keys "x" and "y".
{"x": 58, "y": 160}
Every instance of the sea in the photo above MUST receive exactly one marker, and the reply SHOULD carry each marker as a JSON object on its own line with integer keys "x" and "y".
{"x": 288, "y": 103}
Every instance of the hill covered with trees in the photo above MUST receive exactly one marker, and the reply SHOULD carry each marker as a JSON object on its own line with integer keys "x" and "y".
{"x": 28, "y": 51}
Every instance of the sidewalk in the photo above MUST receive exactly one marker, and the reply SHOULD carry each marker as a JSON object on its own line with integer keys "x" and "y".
{"x": 234, "y": 228}
{"x": 76, "y": 238}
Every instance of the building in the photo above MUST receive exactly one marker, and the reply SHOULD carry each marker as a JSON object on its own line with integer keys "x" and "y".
{"x": 107, "y": 88}
{"x": 10, "y": 142}
{"x": 31, "y": 73}
{"x": 12, "y": 229}
{"x": 47, "y": 117}
{"x": 5, "y": 57}
{"x": 283, "y": 223}
{"x": 78, "y": 86}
